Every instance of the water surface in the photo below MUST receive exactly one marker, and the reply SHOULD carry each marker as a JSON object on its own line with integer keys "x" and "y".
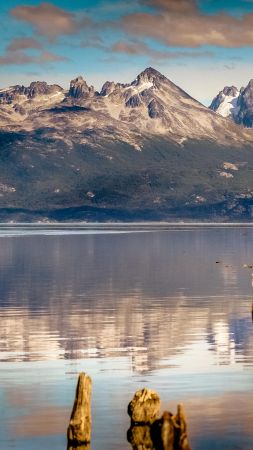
{"x": 164, "y": 307}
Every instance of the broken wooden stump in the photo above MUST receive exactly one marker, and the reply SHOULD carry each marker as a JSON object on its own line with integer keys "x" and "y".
{"x": 181, "y": 439}
{"x": 163, "y": 432}
{"x": 148, "y": 431}
{"x": 144, "y": 407}
{"x": 78, "y": 447}
{"x": 139, "y": 436}
{"x": 79, "y": 429}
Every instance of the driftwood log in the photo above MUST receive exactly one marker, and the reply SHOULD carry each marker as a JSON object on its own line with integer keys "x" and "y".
{"x": 79, "y": 429}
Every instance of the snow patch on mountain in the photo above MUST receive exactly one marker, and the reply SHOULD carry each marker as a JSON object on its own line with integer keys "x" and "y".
{"x": 230, "y": 166}
{"x": 142, "y": 86}
{"x": 226, "y": 175}
{"x": 228, "y": 106}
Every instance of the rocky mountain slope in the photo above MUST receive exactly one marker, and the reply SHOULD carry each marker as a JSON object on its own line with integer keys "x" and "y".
{"x": 235, "y": 104}
{"x": 143, "y": 150}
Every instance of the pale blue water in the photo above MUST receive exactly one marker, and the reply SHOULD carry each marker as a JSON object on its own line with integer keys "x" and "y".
{"x": 164, "y": 307}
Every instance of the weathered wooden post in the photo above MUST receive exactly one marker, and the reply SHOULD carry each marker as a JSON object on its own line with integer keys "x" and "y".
{"x": 149, "y": 431}
{"x": 167, "y": 431}
{"x": 181, "y": 439}
{"x": 79, "y": 429}
{"x": 139, "y": 436}
{"x": 144, "y": 407}
{"x": 143, "y": 410}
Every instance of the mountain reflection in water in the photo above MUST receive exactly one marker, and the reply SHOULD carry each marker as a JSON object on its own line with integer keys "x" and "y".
{"x": 168, "y": 309}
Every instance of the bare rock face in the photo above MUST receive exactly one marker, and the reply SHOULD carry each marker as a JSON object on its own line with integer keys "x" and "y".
{"x": 19, "y": 109}
{"x": 133, "y": 102}
{"x": 149, "y": 75}
{"x": 245, "y": 103}
{"x": 144, "y": 407}
{"x": 79, "y": 89}
{"x": 107, "y": 88}
{"x": 79, "y": 429}
{"x": 155, "y": 109}
{"x": 36, "y": 89}
{"x": 41, "y": 88}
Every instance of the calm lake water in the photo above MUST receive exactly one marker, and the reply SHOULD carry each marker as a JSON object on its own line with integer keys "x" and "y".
{"x": 168, "y": 308}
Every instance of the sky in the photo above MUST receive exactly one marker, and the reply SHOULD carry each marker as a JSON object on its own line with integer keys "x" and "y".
{"x": 201, "y": 45}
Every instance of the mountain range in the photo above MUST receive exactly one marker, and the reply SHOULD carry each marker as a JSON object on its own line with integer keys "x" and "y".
{"x": 139, "y": 151}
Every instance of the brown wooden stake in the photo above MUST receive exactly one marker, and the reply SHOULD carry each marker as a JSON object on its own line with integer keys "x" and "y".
{"x": 79, "y": 429}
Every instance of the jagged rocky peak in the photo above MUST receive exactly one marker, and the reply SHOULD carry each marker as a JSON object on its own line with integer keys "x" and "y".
{"x": 245, "y": 104}
{"x": 107, "y": 88}
{"x": 149, "y": 75}
{"x": 226, "y": 102}
{"x": 42, "y": 88}
{"x": 248, "y": 91}
{"x": 228, "y": 91}
{"x": 236, "y": 104}
{"x": 36, "y": 88}
{"x": 145, "y": 80}
{"x": 80, "y": 89}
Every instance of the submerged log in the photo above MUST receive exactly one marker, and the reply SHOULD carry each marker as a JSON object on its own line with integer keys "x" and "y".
{"x": 79, "y": 429}
{"x": 144, "y": 407}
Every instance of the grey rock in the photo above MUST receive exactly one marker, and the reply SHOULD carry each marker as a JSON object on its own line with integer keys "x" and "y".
{"x": 151, "y": 75}
{"x": 107, "y": 88}
{"x": 19, "y": 109}
{"x": 155, "y": 109}
{"x": 35, "y": 89}
{"x": 245, "y": 103}
{"x": 134, "y": 101}
{"x": 79, "y": 89}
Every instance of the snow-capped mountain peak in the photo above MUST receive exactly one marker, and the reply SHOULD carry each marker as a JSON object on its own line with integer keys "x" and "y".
{"x": 226, "y": 102}
{"x": 236, "y": 104}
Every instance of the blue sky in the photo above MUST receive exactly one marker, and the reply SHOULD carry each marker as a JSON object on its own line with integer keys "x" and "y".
{"x": 200, "y": 45}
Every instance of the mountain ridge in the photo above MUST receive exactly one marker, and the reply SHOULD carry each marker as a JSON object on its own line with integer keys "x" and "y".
{"x": 144, "y": 150}
{"x": 149, "y": 104}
